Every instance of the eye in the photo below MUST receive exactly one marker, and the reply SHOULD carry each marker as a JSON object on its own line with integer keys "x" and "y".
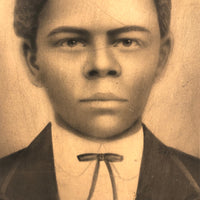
{"x": 72, "y": 43}
{"x": 128, "y": 43}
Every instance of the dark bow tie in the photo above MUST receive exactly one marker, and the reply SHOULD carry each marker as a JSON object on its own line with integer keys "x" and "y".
{"x": 107, "y": 158}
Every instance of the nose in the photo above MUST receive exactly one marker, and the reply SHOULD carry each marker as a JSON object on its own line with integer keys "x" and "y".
{"x": 101, "y": 64}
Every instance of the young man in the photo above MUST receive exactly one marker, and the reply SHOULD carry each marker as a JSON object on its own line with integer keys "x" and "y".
{"x": 97, "y": 61}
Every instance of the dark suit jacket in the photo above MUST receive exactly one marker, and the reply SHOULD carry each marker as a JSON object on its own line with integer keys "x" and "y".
{"x": 166, "y": 174}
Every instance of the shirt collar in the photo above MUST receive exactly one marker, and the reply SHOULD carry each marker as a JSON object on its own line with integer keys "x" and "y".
{"x": 67, "y": 146}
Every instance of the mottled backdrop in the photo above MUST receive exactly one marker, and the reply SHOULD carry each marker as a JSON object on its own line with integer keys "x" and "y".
{"x": 173, "y": 112}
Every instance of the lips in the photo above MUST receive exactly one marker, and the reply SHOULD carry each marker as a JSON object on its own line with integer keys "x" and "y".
{"x": 103, "y": 97}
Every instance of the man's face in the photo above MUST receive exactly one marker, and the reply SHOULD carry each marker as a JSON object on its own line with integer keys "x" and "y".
{"x": 97, "y": 61}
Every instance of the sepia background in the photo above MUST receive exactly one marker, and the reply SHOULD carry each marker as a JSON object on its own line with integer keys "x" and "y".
{"x": 173, "y": 111}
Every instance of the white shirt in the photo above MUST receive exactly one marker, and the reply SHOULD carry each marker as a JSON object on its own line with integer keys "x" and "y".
{"x": 74, "y": 178}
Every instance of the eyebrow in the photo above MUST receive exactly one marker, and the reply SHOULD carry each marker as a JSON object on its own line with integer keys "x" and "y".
{"x": 128, "y": 29}
{"x": 67, "y": 29}
{"x": 80, "y": 31}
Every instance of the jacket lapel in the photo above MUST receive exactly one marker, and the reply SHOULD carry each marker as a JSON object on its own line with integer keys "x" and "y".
{"x": 35, "y": 177}
{"x": 160, "y": 177}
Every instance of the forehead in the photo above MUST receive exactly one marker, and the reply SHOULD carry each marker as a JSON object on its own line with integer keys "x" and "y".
{"x": 99, "y": 15}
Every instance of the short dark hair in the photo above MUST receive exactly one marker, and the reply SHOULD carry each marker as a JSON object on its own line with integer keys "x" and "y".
{"x": 27, "y": 12}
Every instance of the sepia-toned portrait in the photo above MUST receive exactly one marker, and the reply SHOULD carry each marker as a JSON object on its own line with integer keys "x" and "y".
{"x": 100, "y": 100}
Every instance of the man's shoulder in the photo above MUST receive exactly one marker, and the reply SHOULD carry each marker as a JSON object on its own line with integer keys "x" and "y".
{"x": 187, "y": 162}
{"x": 191, "y": 162}
{"x": 7, "y": 163}
{"x": 188, "y": 159}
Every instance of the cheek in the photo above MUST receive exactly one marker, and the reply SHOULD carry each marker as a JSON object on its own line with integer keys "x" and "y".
{"x": 138, "y": 73}
{"x": 59, "y": 74}
{"x": 139, "y": 68}
{"x": 60, "y": 68}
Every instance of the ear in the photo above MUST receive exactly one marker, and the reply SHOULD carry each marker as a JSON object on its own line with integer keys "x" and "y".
{"x": 33, "y": 69}
{"x": 165, "y": 50}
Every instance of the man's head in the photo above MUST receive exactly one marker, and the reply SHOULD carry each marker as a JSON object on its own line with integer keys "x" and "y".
{"x": 27, "y": 17}
{"x": 97, "y": 60}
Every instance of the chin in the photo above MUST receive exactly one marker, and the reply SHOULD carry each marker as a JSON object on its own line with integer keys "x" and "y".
{"x": 106, "y": 128}
{"x": 100, "y": 127}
